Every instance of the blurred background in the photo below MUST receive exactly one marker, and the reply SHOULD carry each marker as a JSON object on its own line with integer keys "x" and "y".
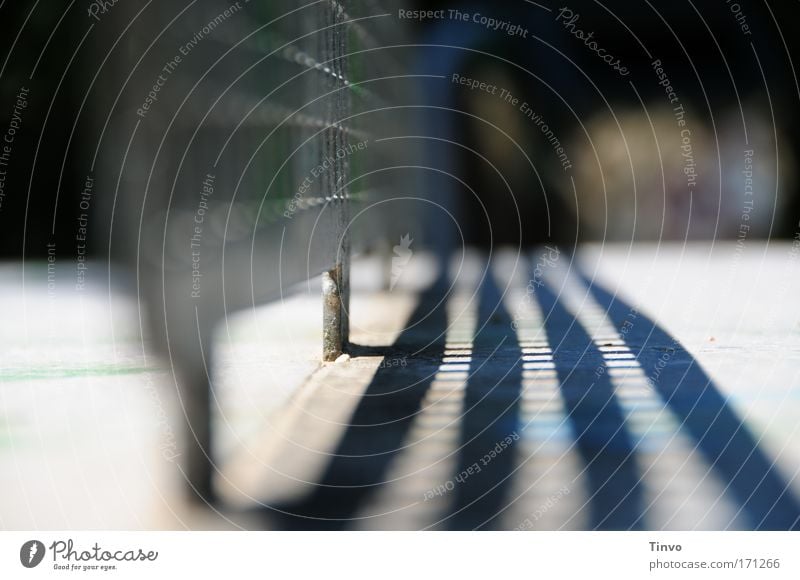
{"x": 736, "y": 84}
{"x": 395, "y": 129}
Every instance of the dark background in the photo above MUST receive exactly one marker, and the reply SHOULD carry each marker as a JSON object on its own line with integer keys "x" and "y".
{"x": 53, "y": 150}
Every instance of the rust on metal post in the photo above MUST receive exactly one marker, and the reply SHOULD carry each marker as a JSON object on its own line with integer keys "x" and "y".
{"x": 334, "y": 314}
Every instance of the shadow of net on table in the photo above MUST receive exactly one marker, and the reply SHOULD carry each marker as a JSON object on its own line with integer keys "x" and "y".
{"x": 747, "y": 473}
{"x": 593, "y": 410}
{"x": 382, "y": 419}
